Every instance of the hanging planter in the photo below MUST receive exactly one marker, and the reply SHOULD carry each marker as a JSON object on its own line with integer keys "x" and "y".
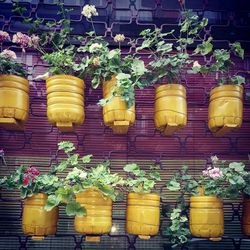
{"x": 37, "y": 222}
{"x": 170, "y": 112}
{"x": 206, "y": 217}
{"x": 225, "y": 109}
{"x": 98, "y": 220}
{"x": 14, "y": 102}
{"x": 246, "y": 216}
{"x": 116, "y": 115}
{"x": 65, "y": 101}
{"x": 143, "y": 214}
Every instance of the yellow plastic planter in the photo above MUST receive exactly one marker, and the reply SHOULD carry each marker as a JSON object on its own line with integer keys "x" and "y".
{"x": 14, "y": 102}
{"x": 143, "y": 214}
{"x": 225, "y": 109}
{"x": 170, "y": 108}
{"x": 65, "y": 101}
{"x": 206, "y": 217}
{"x": 36, "y": 221}
{"x": 116, "y": 115}
{"x": 246, "y": 216}
{"x": 98, "y": 220}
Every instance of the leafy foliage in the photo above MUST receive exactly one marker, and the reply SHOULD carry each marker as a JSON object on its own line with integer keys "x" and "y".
{"x": 81, "y": 178}
{"x": 168, "y": 61}
{"x": 8, "y": 66}
{"x": 141, "y": 181}
{"x": 29, "y": 181}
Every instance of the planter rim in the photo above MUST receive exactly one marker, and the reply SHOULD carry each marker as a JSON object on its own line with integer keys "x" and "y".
{"x": 199, "y": 198}
{"x": 170, "y": 86}
{"x": 152, "y": 196}
{"x": 227, "y": 87}
{"x": 18, "y": 78}
{"x": 38, "y": 195}
{"x": 63, "y": 76}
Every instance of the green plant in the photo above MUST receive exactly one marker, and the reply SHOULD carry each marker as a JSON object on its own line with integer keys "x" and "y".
{"x": 169, "y": 60}
{"x": 81, "y": 178}
{"x": 139, "y": 181}
{"x": 30, "y": 181}
{"x": 223, "y": 181}
{"x": 221, "y": 62}
{"x": 103, "y": 63}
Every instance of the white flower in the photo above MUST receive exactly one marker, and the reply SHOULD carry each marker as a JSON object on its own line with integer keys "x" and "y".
{"x": 89, "y": 11}
{"x": 82, "y": 175}
{"x": 196, "y": 64}
{"x": 119, "y": 38}
{"x": 214, "y": 159}
{"x": 96, "y": 61}
{"x": 94, "y": 46}
{"x": 8, "y": 54}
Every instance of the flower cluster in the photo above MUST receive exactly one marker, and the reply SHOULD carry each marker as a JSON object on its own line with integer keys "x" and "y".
{"x": 119, "y": 38}
{"x": 95, "y": 46}
{"x": 89, "y": 11}
{"x": 30, "y": 174}
{"x": 96, "y": 61}
{"x": 76, "y": 173}
{"x": 34, "y": 41}
{"x": 9, "y": 54}
{"x": 4, "y": 36}
{"x": 22, "y": 39}
{"x": 213, "y": 173}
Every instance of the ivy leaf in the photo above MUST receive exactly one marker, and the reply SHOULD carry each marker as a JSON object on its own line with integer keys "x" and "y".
{"x": 131, "y": 167}
{"x": 52, "y": 201}
{"x": 67, "y": 146}
{"x": 238, "y": 49}
{"x": 138, "y": 67}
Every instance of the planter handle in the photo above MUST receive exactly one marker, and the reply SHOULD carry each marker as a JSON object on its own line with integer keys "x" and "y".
{"x": 170, "y": 129}
{"x": 38, "y": 238}
{"x": 144, "y": 237}
{"x": 65, "y": 126}
{"x": 92, "y": 238}
{"x": 226, "y": 129}
{"x": 120, "y": 127}
{"x": 11, "y": 124}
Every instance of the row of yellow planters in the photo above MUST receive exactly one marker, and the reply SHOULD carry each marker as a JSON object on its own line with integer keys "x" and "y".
{"x": 142, "y": 216}
{"x": 65, "y": 105}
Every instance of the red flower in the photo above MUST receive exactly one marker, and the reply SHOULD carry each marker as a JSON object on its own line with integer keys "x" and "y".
{"x": 26, "y": 180}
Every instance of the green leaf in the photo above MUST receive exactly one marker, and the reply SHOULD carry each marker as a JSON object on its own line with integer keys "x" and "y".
{"x": 86, "y": 158}
{"x": 52, "y": 201}
{"x": 131, "y": 167}
{"x": 74, "y": 208}
{"x": 236, "y": 47}
{"x": 138, "y": 67}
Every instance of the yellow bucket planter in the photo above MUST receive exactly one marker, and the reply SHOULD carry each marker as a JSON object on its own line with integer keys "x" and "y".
{"x": 170, "y": 112}
{"x": 116, "y": 115}
{"x": 98, "y": 220}
{"x": 143, "y": 214}
{"x": 206, "y": 217}
{"x": 225, "y": 109}
{"x": 14, "y": 102}
{"x": 36, "y": 221}
{"x": 246, "y": 217}
{"x": 65, "y": 101}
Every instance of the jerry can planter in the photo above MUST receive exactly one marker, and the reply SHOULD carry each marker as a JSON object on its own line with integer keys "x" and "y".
{"x": 14, "y": 102}
{"x": 116, "y": 115}
{"x": 206, "y": 217}
{"x": 170, "y": 112}
{"x": 65, "y": 101}
{"x": 245, "y": 224}
{"x": 98, "y": 220}
{"x": 37, "y": 222}
{"x": 225, "y": 109}
{"x": 143, "y": 214}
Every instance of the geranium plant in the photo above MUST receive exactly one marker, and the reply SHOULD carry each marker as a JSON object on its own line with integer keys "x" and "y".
{"x": 8, "y": 58}
{"x": 216, "y": 180}
{"x": 168, "y": 61}
{"x": 220, "y": 62}
{"x": 81, "y": 178}
{"x": 29, "y": 180}
{"x": 140, "y": 181}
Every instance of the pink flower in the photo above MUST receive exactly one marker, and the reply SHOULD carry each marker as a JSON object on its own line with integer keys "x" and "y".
{"x": 26, "y": 180}
{"x": 213, "y": 173}
{"x": 4, "y": 36}
{"x": 22, "y": 39}
{"x": 8, "y": 54}
{"x": 32, "y": 171}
